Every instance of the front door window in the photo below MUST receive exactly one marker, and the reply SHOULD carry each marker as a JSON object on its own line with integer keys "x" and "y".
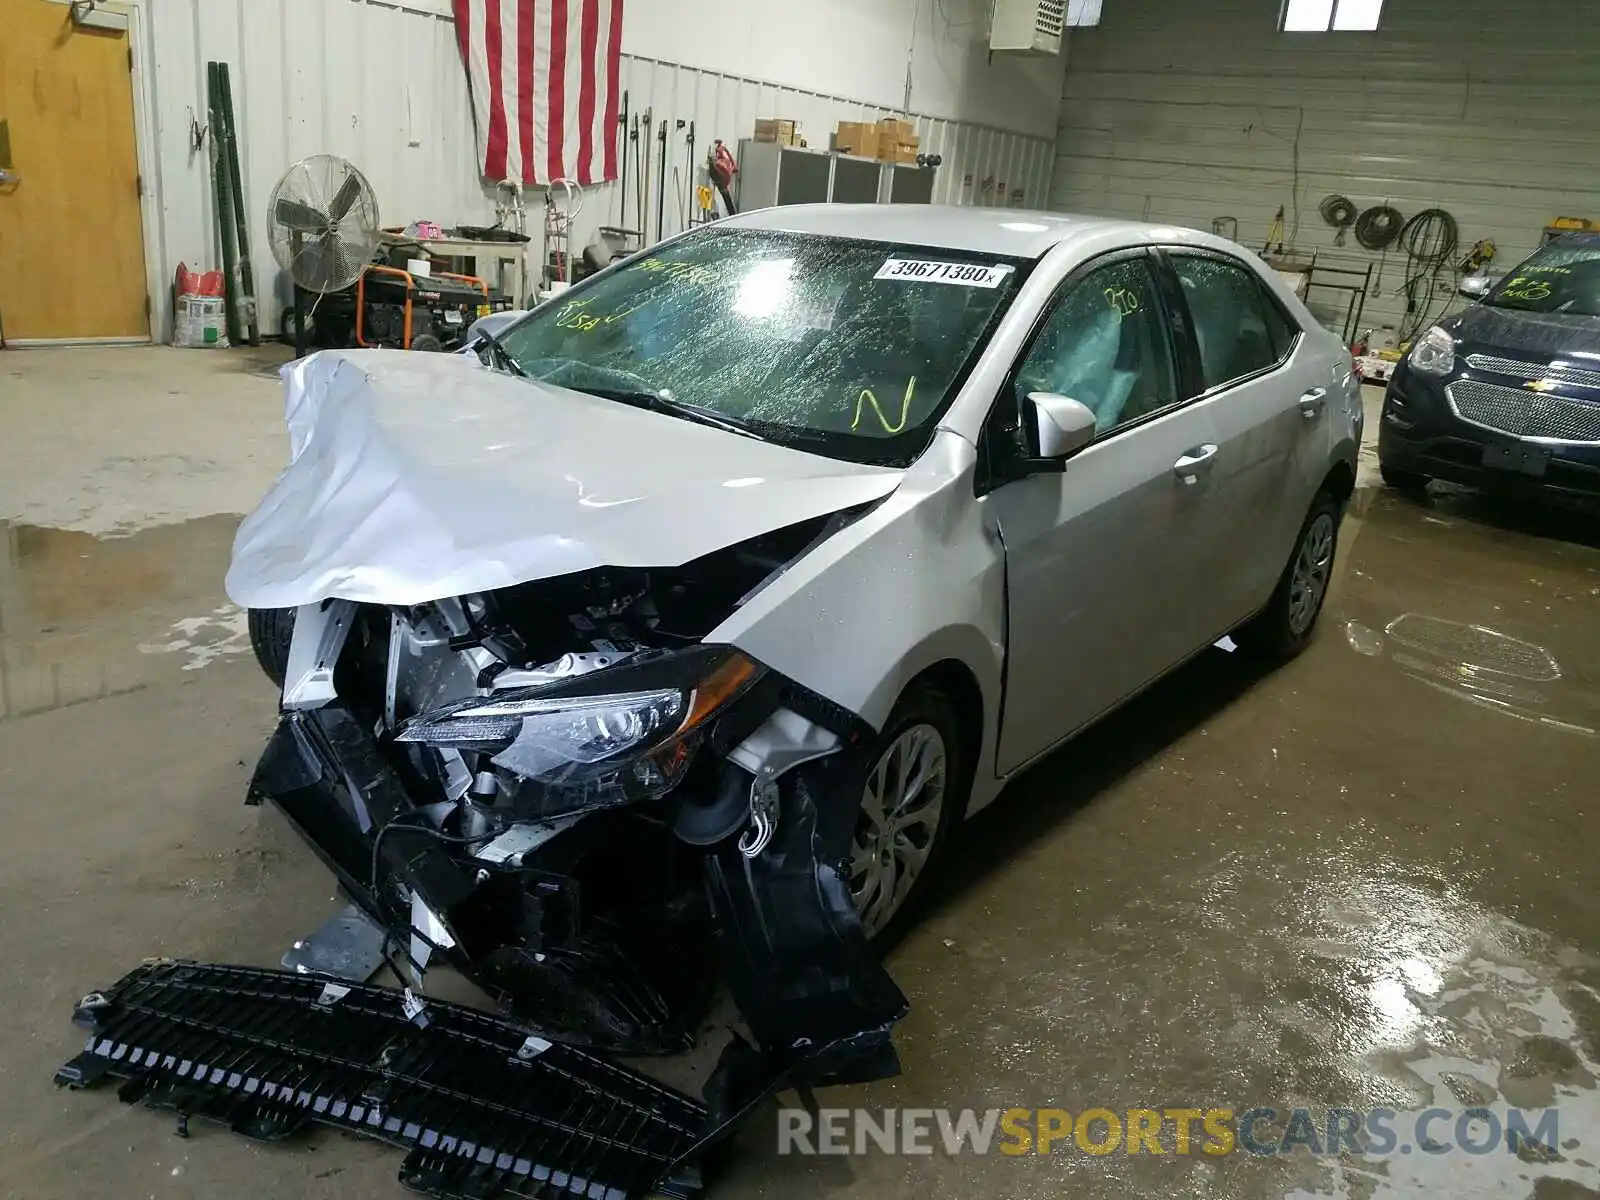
{"x": 1105, "y": 344}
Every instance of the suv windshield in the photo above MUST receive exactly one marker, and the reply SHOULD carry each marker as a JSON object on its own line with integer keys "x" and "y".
{"x": 850, "y": 349}
{"x": 1564, "y": 277}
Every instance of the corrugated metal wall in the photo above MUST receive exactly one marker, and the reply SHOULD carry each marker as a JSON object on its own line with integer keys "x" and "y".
{"x": 1182, "y": 112}
{"x": 380, "y": 82}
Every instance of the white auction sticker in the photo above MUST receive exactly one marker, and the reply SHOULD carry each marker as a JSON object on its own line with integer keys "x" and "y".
{"x": 918, "y": 270}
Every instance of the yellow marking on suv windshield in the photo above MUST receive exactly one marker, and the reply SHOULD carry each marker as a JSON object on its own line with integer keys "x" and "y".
{"x": 1524, "y": 288}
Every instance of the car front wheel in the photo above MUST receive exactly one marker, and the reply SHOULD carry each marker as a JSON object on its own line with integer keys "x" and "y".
{"x": 913, "y": 792}
{"x": 271, "y": 630}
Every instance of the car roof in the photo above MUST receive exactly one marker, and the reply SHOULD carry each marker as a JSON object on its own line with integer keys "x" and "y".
{"x": 1014, "y": 232}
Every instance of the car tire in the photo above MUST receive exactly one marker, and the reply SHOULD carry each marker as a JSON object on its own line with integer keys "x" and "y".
{"x": 924, "y": 731}
{"x": 271, "y": 630}
{"x": 1413, "y": 483}
{"x": 1284, "y": 627}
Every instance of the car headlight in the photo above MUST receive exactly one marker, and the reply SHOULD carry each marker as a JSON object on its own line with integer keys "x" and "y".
{"x": 607, "y": 747}
{"x": 1434, "y": 353}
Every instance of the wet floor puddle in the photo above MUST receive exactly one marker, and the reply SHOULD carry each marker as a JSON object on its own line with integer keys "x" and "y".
{"x": 1488, "y": 604}
{"x": 83, "y": 617}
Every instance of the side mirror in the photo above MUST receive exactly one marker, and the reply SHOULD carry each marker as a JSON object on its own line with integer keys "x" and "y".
{"x": 1474, "y": 287}
{"x": 1061, "y": 426}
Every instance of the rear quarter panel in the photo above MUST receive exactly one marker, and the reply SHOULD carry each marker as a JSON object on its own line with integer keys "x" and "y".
{"x": 1327, "y": 365}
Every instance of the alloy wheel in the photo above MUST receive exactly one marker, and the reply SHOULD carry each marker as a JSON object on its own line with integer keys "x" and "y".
{"x": 901, "y": 806}
{"x": 1313, "y": 566}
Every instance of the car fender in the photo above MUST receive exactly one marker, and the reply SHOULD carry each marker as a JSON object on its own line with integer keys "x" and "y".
{"x": 917, "y": 581}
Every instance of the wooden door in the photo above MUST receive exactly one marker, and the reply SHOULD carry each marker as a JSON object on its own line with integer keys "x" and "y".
{"x": 71, "y": 244}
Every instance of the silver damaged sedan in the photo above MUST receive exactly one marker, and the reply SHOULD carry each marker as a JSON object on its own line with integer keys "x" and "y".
{"x": 666, "y": 635}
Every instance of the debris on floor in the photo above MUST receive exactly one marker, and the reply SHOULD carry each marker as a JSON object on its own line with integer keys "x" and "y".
{"x": 482, "y": 1108}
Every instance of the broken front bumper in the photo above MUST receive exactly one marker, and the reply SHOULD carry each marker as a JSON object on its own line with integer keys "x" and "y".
{"x": 779, "y": 925}
{"x": 588, "y": 981}
{"x": 488, "y": 1107}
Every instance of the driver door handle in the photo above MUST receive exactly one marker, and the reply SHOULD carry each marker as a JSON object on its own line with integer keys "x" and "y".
{"x": 1194, "y": 464}
{"x": 1311, "y": 403}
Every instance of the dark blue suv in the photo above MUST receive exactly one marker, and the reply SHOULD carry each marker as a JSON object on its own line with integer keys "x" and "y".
{"x": 1507, "y": 393}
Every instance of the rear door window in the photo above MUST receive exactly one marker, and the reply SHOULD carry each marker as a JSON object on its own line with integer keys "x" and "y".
{"x": 1238, "y": 329}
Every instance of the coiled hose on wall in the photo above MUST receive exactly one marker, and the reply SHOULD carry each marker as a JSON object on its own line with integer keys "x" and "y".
{"x": 1430, "y": 240}
{"x": 1377, "y": 228}
{"x": 1339, "y": 212}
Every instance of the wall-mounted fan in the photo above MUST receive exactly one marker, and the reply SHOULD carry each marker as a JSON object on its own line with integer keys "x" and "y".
{"x": 322, "y": 222}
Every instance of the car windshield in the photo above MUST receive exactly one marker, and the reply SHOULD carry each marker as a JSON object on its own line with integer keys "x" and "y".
{"x": 847, "y": 348}
{"x": 1564, "y": 277}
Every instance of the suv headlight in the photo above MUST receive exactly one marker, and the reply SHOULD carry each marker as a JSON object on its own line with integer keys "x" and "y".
{"x": 606, "y": 747}
{"x": 1434, "y": 353}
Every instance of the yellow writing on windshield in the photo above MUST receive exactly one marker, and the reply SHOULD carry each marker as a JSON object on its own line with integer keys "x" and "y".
{"x": 866, "y": 397}
{"x": 679, "y": 272}
{"x": 1525, "y": 288}
{"x": 574, "y": 315}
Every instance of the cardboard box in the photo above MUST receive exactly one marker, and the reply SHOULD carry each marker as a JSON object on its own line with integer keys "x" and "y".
{"x": 897, "y": 141}
{"x": 898, "y": 152}
{"x": 780, "y": 130}
{"x": 889, "y": 140}
{"x": 856, "y": 137}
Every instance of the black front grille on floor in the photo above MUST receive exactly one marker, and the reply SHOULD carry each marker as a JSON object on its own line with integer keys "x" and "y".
{"x": 484, "y": 1109}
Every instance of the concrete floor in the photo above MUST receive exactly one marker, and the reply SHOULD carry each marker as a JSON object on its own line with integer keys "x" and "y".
{"x": 1363, "y": 879}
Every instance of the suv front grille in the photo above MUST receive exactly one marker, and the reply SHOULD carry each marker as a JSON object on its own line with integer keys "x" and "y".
{"x": 1528, "y": 370}
{"x": 1522, "y": 412}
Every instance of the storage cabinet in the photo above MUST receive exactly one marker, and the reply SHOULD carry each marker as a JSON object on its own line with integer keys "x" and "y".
{"x": 772, "y": 174}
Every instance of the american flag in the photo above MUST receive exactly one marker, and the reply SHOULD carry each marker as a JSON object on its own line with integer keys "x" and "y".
{"x": 544, "y": 76}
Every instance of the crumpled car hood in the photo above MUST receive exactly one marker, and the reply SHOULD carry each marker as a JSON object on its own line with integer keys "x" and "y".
{"x": 419, "y": 476}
